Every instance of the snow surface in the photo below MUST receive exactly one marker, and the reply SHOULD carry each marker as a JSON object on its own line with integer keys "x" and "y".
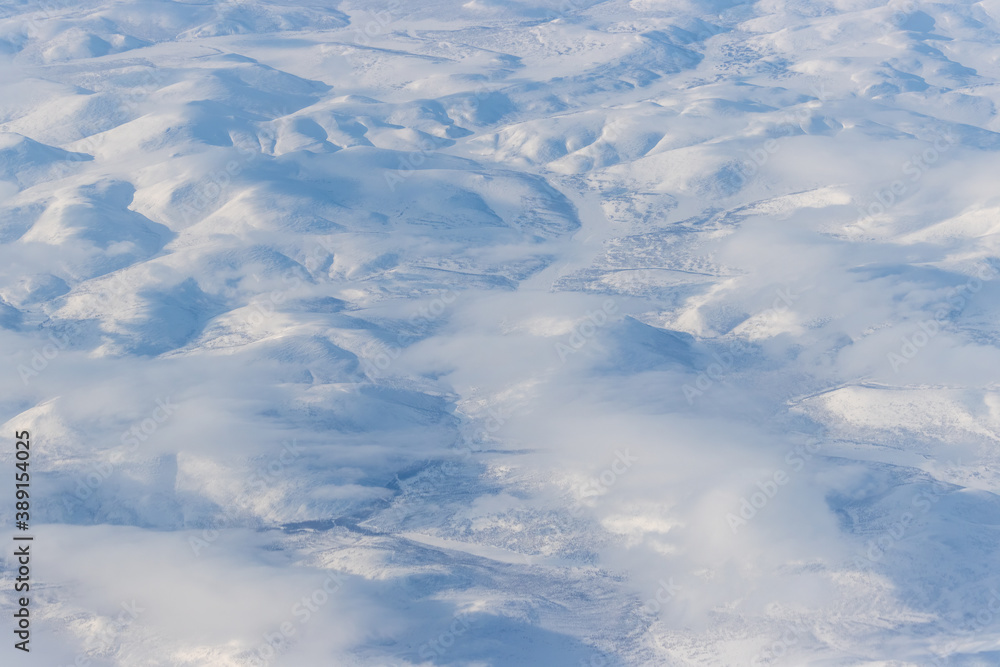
{"x": 571, "y": 332}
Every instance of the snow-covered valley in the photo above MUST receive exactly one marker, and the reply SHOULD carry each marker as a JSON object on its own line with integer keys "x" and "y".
{"x": 574, "y": 332}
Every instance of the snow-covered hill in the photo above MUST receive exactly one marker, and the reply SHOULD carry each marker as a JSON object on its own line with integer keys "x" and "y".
{"x": 573, "y": 332}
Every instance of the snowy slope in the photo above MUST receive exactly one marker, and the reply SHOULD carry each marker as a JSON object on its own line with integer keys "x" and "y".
{"x": 586, "y": 332}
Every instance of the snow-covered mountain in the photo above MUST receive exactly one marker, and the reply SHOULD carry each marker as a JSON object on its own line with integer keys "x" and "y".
{"x": 572, "y": 332}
